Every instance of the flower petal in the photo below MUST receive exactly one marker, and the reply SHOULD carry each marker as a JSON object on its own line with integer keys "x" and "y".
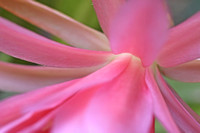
{"x": 186, "y": 119}
{"x": 21, "y": 43}
{"x": 66, "y": 28}
{"x": 43, "y": 125}
{"x": 187, "y": 72}
{"x": 12, "y": 113}
{"x": 106, "y": 10}
{"x": 112, "y": 107}
{"x": 22, "y": 78}
{"x": 28, "y": 108}
{"x": 183, "y": 44}
{"x": 27, "y": 120}
{"x": 136, "y": 29}
{"x": 160, "y": 107}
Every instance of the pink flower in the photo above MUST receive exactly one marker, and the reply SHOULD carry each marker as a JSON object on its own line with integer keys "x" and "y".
{"x": 106, "y": 92}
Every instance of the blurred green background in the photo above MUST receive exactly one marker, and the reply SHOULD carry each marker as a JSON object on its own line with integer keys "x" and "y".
{"x": 82, "y": 10}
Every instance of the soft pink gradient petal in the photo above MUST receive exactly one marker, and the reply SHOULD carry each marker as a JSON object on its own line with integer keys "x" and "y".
{"x": 183, "y": 115}
{"x": 26, "y": 121}
{"x": 60, "y": 25}
{"x": 22, "y": 78}
{"x": 12, "y": 113}
{"x": 106, "y": 10}
{"x": 110, "y": 72}
{"x": 187, "y": 72}
{"x": 43, "y": 125}
{"x": 30, "y": 107}
{"x": 112, "y": 107}
{"x": 140, "y": 28}
{"x": 160, "y": 107}
{"x": 24, "y": 44}
{"x": 183, "y": 44}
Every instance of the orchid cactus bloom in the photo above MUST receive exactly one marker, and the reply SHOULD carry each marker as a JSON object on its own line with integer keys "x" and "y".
{"x": 94, "y": 90}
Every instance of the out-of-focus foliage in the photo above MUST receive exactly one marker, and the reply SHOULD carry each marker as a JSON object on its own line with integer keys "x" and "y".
{"x": 182, "y": 9}
{"x": 82, "y": 10}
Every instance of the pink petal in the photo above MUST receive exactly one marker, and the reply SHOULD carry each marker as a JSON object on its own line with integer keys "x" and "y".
{"x": 106, "y": 10}
{"x": 66, "y": 28}
{"x": 25, "y": 121}
{"x": 110, "y": 72}
{"x": 43, "y": 125}
{"x": 29, "y": 108}
{"x": 140, "y": 28}
{"x": 21, "y": 43}
{"x": 111, "y": 107}
{"x": 21, "y": 78}
{"x": 12, "y": 113}
{"x": 160, "y": 107}
{"x": 183, "y": 115}
{"x": 187, "y": 72}
{"x": 183, "y": 44}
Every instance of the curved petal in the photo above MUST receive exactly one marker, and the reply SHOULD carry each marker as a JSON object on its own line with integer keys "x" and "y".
{"x": 112, "y": 107}
{"x": 21, "y": 43}
{"x": 161, "y": 110}
{"x": 183, "y": 44}
{"x": 22, "y": 78}
{"x": 106, "y": 10}
{"x": 41, "y": 125}
{"x": 187, "y": 72}
{"x": 183, "y": 115}
{"x": 136, "y": 29}
{"x": 27, "y": 120}
{"x": 12, "y": 113}
{"x": 66, "y": 28}
{"x": 28, "y": 108}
